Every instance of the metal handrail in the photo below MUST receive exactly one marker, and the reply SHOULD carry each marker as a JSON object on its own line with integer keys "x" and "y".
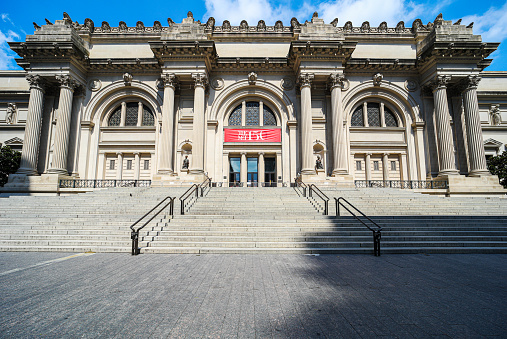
{"x": 193, "y": 189}
{"x": 134, "y": 234}
{"x": 205, "y": 184}
{"x": 325, "y": 198}
{"x": 299, "y": 184}
{"x": 402, "y": 184}
{"x": 376, "y": 232}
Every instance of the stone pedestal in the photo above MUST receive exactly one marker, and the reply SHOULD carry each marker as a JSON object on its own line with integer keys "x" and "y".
{"x": 483, "y": 185}
{"x": 45, "y": 183}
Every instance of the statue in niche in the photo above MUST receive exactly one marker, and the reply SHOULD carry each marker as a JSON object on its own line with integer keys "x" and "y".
{"x": 318, "y": 163}
{"x": 10, "y": 117}
{"x": 494, "y": 112}
{"x": 185, "y": 162}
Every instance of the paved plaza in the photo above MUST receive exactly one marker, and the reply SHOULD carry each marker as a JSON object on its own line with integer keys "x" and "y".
{"x": 86, "y": 295}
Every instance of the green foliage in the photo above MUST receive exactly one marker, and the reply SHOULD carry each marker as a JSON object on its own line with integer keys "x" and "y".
{"x": 9, "y": 163}
{"x": 498, "y": 165}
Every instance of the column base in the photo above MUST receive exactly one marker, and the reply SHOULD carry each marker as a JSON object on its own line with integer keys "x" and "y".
{"x": 479, "y": 173}
{"x": 483, "y": 185}
{"x": 45, "y": 183}
{"x": 165, "y": 180}
{"x": 58, "y": 171}
{"x": 449, "y": 172}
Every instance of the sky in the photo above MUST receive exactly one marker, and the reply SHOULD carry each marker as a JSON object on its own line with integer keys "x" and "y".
{"x": 489, "y": 16}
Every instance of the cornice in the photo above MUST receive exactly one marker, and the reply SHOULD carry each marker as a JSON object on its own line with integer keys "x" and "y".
{"x": 133, "y": 64}
{"x": 381, "y": 64}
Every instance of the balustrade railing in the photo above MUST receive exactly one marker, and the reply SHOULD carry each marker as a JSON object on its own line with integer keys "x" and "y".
{"x": 191, "y": 195}
{"x": 403, "y": 184}
{"x": 85, "y": 183}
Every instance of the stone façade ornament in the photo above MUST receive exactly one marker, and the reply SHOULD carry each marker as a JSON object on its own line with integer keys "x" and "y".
{"x": 252, "y": 78}
{"x": 10, "y": 117}
{"x": 94, "y": 85}
{"x": 494, "y": 113}
{"x": 217, "y": 84}
{"x": 287, "y": 83}
{"x": 411, "y": 85}
{"x": 377, "y": 79}
{"x": 127, "y": 78}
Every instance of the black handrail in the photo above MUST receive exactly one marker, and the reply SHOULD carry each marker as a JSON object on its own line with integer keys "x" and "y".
{"x": 299, "y": 184}
{"x": 134, "y": 234}
{"x": 376, "y": 232}
{"x": 193, "y": 189}
{"x": 325, "y": 198}
{"x": 205, "y": 184}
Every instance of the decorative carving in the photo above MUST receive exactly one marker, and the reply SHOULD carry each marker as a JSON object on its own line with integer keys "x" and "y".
{"x": 66, "y": 80}
{"x": 10, "y": 117}
{"x": 210, "y": 24}
{"x": 190, "y": 15}
{"x": 185, "y": 162}
{"x": 411, "y": 85}
{"x": 140, "y": 26}
{"x": 365, "y": 27}
{"x": 278, "y": 26}
{"x": 37, "y": 27}
{"x": 334, "y": 22}
{"x": 88, "y": 23}
{"x": 127, "y": 78}
{"x": 377, "y": 79}
{"x": 439, "y": 20}
{"x": 122, "y": 26}
{"x": 287, "y": 83}
{"x": 318, "y": 163}
{"x": 400, "y": 27}
{"x": 217, "y": 84}
{"x": 261, "y": 26}
{"x": 170, "y": 22}
{"x": 243, "y": 25}
{"x": 458, "y": 22}
{"x": 105, "y": 27}
{"x": 440, "y": 81}
{"x": 472, "y": 81}
{"x": 294, "y": 23}
{"x": 94, "y": 85}
{"x": 252, "y": 78}
{"x": 226, "y": 26}
{"x": 382, "y": 28}
{"x": 67, "y": 19}
{"x": 157, "y": 26}
{"x": 305, "y": 79}
{"x": 315, "y": 15}
{"x": 200, "y": 79}
{"x": 48, "y": 22}
{"x": 471, "y": 25}
{"x": 36, "y": 81}
{"x": 336, "y": 80}
{"x": 494, "y": 113}
{"x": 417, "y": 26}
{"x": 348, "y": 27}
{"x": 169, "y": 80}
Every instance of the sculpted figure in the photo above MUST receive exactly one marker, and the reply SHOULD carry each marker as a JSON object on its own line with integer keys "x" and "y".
{"x": 278, "y": 26}
{"x": 170, "y": 22}
{"x": 494, "y": 112}
{"x": 417, "y": 25}
{"x": 294, "y": 23}
{"x": 139, "y": 26}
{"x": 365, "y": 27}
{"x": 261, "y": 26}
{"x": 185, "y": 162}
{"x": 210, "y": 24}
{"x": 89, "y": 24}
{"x": 105, "y": 27}
{"x": 226, "y": 26}
{"x": 318, "y": 163}
{"x": 382, "y": 27}
{"x": 348, "y": 26}
{"x": 334, "y": 22}
{"x": 127, "y": 79}
{"x": 157, "y": 26}
{"x": 123, "y": 26}
{"x": 400, "y": 27}
{"x": 243, "y": 25}
{"x": 10, "y": 117}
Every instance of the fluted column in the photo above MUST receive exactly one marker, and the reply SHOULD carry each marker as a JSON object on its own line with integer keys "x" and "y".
{"x": 476, "y": 154}
{"x": 30, "y": 151}
{"x": 443, "y": 126}
{"x": 367, "y": 165}
{"x": 119, "y": 169}
{"x": 61, "y": 148}
{"x": 200, "y": 81}
{"x": 385, "y": 166}
{"x": 337, "y": 132}
{"x": 306, "y": 124}
{"x": 138, "y": 166}
{"x": 166, "y": 142}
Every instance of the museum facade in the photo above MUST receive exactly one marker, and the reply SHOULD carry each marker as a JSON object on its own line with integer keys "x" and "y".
{"x": 253, "y": 104}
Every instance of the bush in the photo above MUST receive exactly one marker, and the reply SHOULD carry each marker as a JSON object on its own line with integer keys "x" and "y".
{"x": 498, "y": 165}
{"x": 9, "y": 163}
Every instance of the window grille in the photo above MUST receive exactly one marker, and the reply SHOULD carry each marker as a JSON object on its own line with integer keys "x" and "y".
{"x": 111, "y": 164}
{"x": 373, "y": 111}
{"x": 146, "y": 164}
{"x": 115, "y": 118}
{"x": 390, "y": 118}
{"x": 235, "y": 117}
{"x": 252, "y": 114}
{"x": 129, "y": 164}
{"x": 358, "y": 165}
{"x": 268, "y": 117}
{"x": 357, "y": 117}
{"x": 375, "y": 166}
{"x": 132, "y": 112}
{"x": 148, "y": 118}
{"x": 393, "y": 165}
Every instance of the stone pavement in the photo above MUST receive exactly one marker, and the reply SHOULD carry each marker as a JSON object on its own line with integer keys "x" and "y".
{"x": 104, "y": 295}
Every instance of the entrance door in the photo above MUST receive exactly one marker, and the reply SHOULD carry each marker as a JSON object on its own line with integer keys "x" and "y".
{"x": 252, "y": 172}
{"x": 270, "y": 172}
{"x": 235, "y": 172}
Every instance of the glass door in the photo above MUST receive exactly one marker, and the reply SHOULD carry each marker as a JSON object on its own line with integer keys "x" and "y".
{"x": 252, "y": 173}
{"x": 235, "y": 172}
{"x": 270, "y": 172}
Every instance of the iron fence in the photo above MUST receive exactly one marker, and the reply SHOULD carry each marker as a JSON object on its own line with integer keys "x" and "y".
{"x": 403, "y": 184}
{"x": 84, "y": 183}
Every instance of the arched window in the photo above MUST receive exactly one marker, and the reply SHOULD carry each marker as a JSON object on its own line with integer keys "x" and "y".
{"x": 133, "y": 114}
{"x": 253, "y": 115}
{"x": 373, "y": 114}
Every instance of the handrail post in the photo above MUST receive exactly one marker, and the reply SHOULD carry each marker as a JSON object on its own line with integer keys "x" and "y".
{"x": 326, "y": 206}
{"x": 337, "y": 203}
{"x": 182, "y": 207}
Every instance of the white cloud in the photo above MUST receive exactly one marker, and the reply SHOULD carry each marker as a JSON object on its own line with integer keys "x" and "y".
{"x": 251, "y": 11}
{"x": 492, "y": 25}
{"x": 5, "y": 18}
{"x": 6, "y": 54}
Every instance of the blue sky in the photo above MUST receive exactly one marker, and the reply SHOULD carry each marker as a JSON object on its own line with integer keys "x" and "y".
{"x": 489, "y": 16}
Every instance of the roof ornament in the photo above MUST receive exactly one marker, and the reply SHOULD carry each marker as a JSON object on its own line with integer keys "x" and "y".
{"x": 127, "y": 78}
{"x": 190, "y": 15}
{"x": 348, "y": 26}
{"x": 382, "y": 28}
{"x": 105, "y": 27}
{"x": 140, "y": 26}
{"x": 37, "y": 27}
{"x": 210, "y": 24}
{"x": 458, "y": 22}
{"x": 226, "y": 26}
{"x": 417, "y": 26}
{"x": 334, "y": 22}
{"x": 170, "y": 22}
{"x": 157, "y": 26}
{"x": 243, "y": 26}
{"x": 400, "y": 27}
{"x": 123, "y": 26}
{"x": 48, "y": 22}
{"x": 261, "y": 26}
{"x": 439, "y": 20}
{"x": 471, "y": 25}
{"x": 279, "y": 26}
{"x": 365, "y": 27}
{"x": 315, "y": 15}
{"x": 67, "y": 18}
{"x": 89, "y": 24}
{"x": 294, "y": 23}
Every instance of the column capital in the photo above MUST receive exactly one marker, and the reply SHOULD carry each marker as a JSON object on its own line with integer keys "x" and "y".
{"x": 367, "y": 154}
{"x": 66, "y": 81}
{"x": 386, "y": 154}
{"x": 169, "y": 80}
{"x": 305, "y": 79}
{"x": 472, "y": 81}
{"x": 36, "y": 81}
{"x": 243, "y": 153}
{"x": 200, "y": 80}
{"x": 337, "y": 80}
{"x": 119, "y": 153}
{"x": 136, "y": 153}
{"x": 440, "y": 82}
{"x": 261, "y": 153}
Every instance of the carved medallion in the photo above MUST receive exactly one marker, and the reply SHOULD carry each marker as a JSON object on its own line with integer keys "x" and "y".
{"x": 217, "y": 84}
{"x": 411, "y": 85}
{"x": 287, "y": 84}
{"x": 94, "y": 85}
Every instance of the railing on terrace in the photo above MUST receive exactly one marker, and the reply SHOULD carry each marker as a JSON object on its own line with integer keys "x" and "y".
{"x": 84, "y": 183}
{"x": 403, "y": 184}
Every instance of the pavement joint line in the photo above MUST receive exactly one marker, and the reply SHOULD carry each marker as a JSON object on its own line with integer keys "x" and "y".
{"x": 47, "y": 263}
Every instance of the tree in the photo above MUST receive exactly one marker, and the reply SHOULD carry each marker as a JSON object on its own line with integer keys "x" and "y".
{"x": 9, "y": 163}
{"x": 498, "y": 165}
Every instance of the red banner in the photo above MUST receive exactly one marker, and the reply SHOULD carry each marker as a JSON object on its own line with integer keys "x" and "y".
{"x": 252, "y": 135}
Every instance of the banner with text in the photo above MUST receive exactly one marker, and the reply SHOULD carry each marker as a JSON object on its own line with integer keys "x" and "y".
{"x": 252, "y": 135}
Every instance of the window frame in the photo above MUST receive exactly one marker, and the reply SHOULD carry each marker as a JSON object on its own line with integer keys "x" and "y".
{"x": 239, "y": 104}
{"x": 383, "y": 104}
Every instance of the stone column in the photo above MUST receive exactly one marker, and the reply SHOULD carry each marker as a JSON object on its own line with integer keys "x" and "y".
{"x": 338, "y": 134}
{"x": 367, "y": 165}
{"x": 138, "y": 166}
{"x": 119, "y": 169}
{"x": 244, "y": 169}
{"x": 261, "y": 169}
{"x": 140, "y": 114}
{"x": 476, "y": 154}
{"x": 61, "y": 146}
{"x": 385, "y": 166}
{"x": 166, "y": 142}
{"x": 307, "y": 166}
{"x": 123, "y": 113}
{"x": 200, "y": 82}
{"x": 30, "y": 150}
{"x": 443, "y": 127}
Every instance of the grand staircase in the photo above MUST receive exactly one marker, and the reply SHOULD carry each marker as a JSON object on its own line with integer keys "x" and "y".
{"x": 254, "y": 220}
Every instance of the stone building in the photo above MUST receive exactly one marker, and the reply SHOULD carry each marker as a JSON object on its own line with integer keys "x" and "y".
{"x": 328, "y": 102}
